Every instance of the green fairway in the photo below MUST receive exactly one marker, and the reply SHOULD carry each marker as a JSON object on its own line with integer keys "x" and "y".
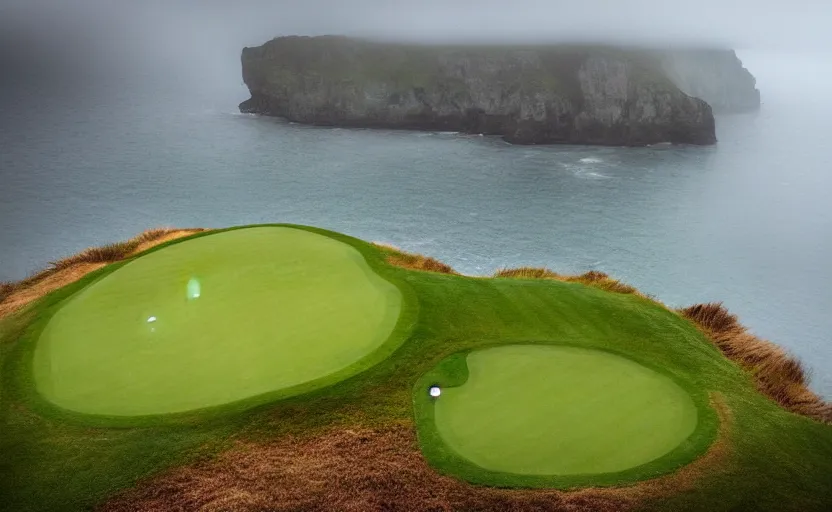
{"x": 556, "y": 410}
{"x": 214, "y": 320}
{"x": 745, "y": 452}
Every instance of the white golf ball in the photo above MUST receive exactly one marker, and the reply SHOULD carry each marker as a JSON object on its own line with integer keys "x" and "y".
{"x": 435, "y": 391}
{"x": 151, "y": 319}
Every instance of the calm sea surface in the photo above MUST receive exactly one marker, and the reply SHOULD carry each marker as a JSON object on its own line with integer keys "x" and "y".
{"x": 747, "y": 222}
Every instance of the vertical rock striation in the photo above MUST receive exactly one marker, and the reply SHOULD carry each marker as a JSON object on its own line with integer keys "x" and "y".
{"x": 528, "y": 95}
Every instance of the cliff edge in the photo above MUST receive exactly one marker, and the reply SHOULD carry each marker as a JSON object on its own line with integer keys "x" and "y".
{"x": 528, "y": 95}
{"x": 716, "y": 76}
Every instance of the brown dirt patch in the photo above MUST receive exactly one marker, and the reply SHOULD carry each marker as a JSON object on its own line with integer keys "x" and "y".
{"x": 363, "y": 469}
{"x": 15, "y": 296}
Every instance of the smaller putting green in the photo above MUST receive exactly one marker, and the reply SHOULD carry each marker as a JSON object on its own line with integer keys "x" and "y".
{"x": 214, "y": 320}
{"x": 558, "y": 410}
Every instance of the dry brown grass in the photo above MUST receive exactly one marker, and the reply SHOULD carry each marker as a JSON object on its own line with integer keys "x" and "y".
{"x": 592, "y": 278}
{"x": 413, "y": 261}
{"x": 120, "y": 250}
{"x": 14, "y": 296}
{"x": 528, "y": 273}
{"x": 6, "y": 289}
{"x": 777, "y": 374}
{"x": 381, "y": 469}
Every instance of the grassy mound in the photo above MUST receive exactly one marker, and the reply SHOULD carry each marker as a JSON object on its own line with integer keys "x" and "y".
{"x": 564, "y": 413}
{"x": 313, "y": 451}
{"x": 213, "y": 320}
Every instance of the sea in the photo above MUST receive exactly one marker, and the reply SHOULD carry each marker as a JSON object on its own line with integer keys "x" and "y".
{"x": 747, "y": 222}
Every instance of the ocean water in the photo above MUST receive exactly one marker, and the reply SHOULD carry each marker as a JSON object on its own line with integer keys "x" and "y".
{"x": 747, "y": 222}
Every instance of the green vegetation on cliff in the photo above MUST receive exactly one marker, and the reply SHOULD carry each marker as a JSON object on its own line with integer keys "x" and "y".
{"x": 762, "y": 457}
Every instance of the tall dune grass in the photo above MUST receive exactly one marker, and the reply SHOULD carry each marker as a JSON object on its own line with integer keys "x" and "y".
{"x": 777, "y": 374}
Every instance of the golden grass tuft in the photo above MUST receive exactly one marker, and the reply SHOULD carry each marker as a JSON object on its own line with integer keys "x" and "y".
{"x": 528, "y": 273}
{"x": 777, "y": 374}
{"x": 592, "y": 278}
{"x": 604, "y": 282}
{"x": 413, "y": 261}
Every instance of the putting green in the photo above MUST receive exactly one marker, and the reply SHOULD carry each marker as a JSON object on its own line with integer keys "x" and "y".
{"x": 214, "y": 320}
{"x": 556, "y": 410}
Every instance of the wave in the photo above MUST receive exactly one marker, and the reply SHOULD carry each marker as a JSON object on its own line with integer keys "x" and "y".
{"x": 590, "y": 160}
{"x": 594, "y": 175}
{"x": 581, "y": 172}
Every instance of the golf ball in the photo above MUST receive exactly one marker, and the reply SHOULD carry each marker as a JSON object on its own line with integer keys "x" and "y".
{"x": 151, "y": 319}
{"x": 435, "y": 391}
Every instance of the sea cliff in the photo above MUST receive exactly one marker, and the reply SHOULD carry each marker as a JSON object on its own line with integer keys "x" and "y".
{"x": 716, "y": 76}
{"x": 526, "y": 94}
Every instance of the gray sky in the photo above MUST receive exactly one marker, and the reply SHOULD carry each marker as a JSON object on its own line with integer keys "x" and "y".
{"x": 204, "y": 37}
{"x": 739, "y": 23}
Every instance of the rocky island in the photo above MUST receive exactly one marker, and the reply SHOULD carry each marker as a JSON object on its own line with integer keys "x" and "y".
{"x": 526, "y": 94}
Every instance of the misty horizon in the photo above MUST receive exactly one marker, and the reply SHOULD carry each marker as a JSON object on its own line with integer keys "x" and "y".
{"x": 740, "y": 24}
{"x": 196, "y": 46}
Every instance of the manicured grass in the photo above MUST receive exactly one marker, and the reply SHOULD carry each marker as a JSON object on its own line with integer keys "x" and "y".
{"x": 52, "y": 459}
{"x": 214, "y": 320}
{"x": 558, "y": 410}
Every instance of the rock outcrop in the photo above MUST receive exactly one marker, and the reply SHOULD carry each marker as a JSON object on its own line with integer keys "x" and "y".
{"x": 528, "y": 95}
{"x": 716, "y": 76}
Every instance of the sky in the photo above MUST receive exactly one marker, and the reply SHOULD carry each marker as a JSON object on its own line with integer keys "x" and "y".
{"x": 200, "y": 40}
{"x": 739, "y": 23}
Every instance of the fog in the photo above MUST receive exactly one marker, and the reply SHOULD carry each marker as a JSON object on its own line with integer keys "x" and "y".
{"x": 196, "y": 44}
{"x": 114, "y": 89}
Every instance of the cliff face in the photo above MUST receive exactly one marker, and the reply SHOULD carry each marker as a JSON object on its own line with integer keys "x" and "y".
{"x": 528, "y": 95}
{"x": 716, "y": 76}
